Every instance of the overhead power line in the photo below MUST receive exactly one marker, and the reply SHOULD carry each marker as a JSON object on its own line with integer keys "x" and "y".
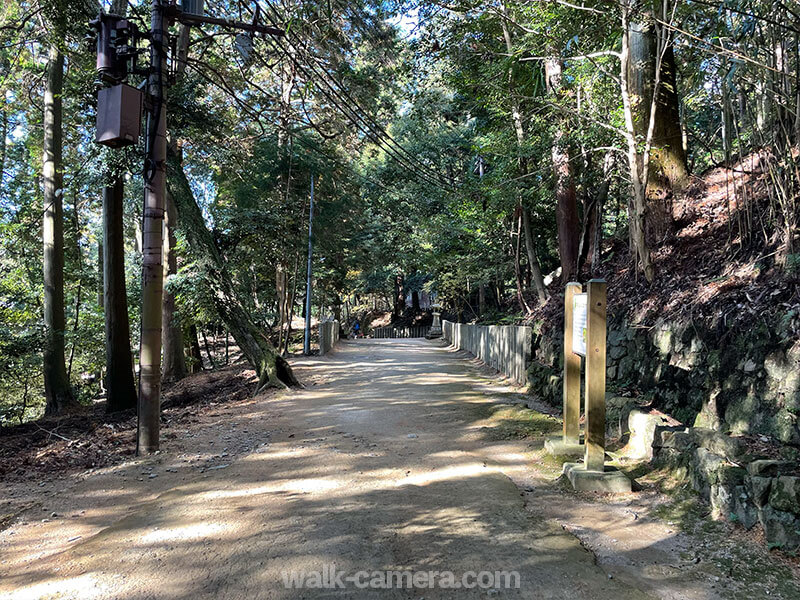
{"x": 354, "y": 118}
{"x": 366, "y": 125}
{"x": 352, "y": 108}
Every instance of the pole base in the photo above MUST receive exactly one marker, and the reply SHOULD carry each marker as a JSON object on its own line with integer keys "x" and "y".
{"x": 558, "y": 447}
{"x": 610, "y": 481}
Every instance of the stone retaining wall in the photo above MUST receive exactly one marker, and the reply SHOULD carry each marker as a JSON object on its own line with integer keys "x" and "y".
{"x": 328, "y": 336}
{"x": 743, "y": 380}
{"x": 734, "y": 392}
{"x": 739, "y": 485}
{"x": 505, "y": 348}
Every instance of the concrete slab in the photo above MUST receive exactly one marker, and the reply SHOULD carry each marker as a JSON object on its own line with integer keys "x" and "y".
{"x": 610, "y": 481}
{"x": 558, "y": 447}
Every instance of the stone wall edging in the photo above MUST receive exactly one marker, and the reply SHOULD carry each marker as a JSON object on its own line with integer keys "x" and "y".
{"x": 743, "y": 381}
{"x": 505, "y": 348}
{"x": 328, "y": 336}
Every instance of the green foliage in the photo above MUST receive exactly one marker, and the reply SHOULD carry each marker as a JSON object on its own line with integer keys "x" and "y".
{"x": 20, "y": 375}
{"x": 393, "y": 122}
{"x": 793, "y": 263}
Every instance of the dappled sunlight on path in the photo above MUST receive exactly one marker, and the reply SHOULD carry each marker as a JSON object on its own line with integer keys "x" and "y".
{"x": 379, "y": 463}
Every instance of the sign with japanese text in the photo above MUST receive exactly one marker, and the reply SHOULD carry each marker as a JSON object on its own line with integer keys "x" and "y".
{"x": 579, "y": 324}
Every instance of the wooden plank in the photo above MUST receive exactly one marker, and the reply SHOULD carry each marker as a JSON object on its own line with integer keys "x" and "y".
{"x": 596, "y": 376}
{"x": 572, "y": 372}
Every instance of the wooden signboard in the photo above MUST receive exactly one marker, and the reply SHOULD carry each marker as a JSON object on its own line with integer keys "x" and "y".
{"x": 579, "y": 324}
{"x": 585, "y": 322}
{"x": 585, "y": 341}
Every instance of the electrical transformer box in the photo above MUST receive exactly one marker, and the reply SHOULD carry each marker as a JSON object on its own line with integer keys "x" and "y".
{"x": 193, "y": 7}
{"x": 119, "y": 115}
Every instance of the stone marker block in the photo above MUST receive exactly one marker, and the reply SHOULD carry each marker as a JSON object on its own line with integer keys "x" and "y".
{"x": 643, "y": 427}
{"x": 609, "y": 481}
{"x": 558, "y": 447}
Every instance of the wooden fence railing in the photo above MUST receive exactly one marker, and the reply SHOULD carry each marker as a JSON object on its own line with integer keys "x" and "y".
{"x": 401, "y": 332}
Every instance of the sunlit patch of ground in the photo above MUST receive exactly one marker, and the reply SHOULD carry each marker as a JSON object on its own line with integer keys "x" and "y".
{"x": 513, "y": 422}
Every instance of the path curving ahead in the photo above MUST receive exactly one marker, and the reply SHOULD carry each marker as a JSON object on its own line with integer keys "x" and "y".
{"x": 377, "y": 465}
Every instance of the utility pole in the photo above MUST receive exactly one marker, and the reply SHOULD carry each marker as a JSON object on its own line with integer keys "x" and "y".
{"x": 307, "y": 337}
{"x": 118, "y": 116}
{"x": 482, "y": 286}
{"x": 155, "y": 182}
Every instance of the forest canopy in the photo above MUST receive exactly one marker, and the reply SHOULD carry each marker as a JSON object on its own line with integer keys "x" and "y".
{"x": 482, "y": 152}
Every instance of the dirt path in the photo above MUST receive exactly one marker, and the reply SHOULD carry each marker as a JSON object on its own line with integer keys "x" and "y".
{"x": 379, "y": 464}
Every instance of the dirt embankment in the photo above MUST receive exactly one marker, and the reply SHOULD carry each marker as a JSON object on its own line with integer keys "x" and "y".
{"x": 725, "y": 262}
{"x": 58, "y": 446}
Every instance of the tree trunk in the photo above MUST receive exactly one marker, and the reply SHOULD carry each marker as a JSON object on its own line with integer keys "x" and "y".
{"x": 272, "y": 369}
{"x": 292, "y": 299}
{"x": 415, "y": 301}
{"x": 592, "y": 232}
{"x": 519, "y": 132}
{"x": 78, "y": 294}
{"x": 121, "y": 390}
{"x": 518, "y": 270}
{"x": 564, "y": 185}
{"x": 399, "y": 294}
{"x": 337, "y": 308}
{"x": 533, "y": 259}
{"x": 287, "y": 75}
{"x": 668, "y": 173}
{"x": 194, "y": 350}
{"x": 58, "y": 392}
{"x": 781, "y": 85}
{"x": 210, "y": 356}
{"x": 119, "y": 381}
{"x": 587, "y": 232}
{"x": 637, "y": 165}
{"x": 174, "y": 367}
{"x": 282, "y": 295}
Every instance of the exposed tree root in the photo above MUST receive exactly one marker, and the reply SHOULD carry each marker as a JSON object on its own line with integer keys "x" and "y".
{"x": 275, "y": 372}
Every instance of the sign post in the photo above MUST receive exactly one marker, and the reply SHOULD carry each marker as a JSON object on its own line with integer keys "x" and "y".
{"x": 575, "y": 320}
{"x": 572, "y": 366}
{"x": 585, "y": 335}
{"x": 595, "y": 383}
